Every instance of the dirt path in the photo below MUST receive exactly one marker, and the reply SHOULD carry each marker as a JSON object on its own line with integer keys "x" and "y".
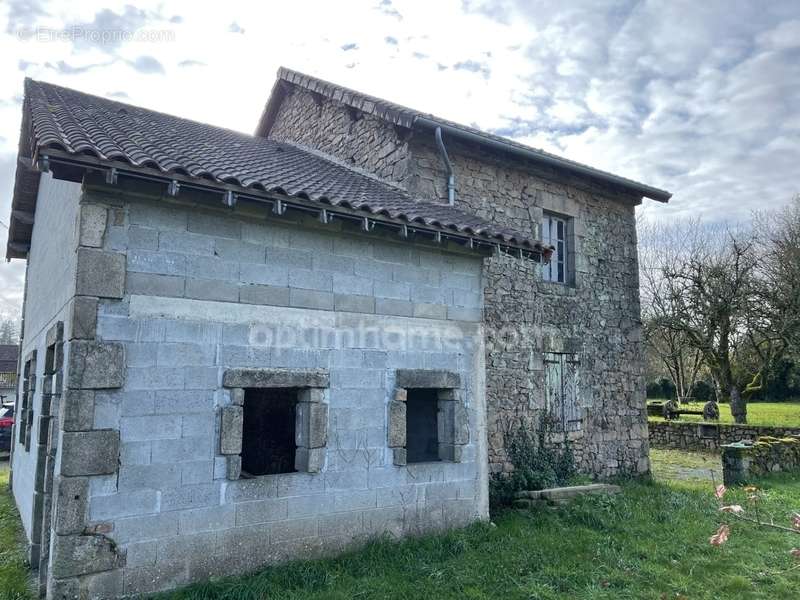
{"x": 685, "y": 466}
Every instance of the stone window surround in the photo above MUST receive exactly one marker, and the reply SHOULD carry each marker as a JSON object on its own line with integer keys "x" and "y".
{"x": 28, "y": 392}
{"x": 570, "y": 242}
{"x": 569, "y": 210}
{"x": 311, "y": 414}
{"x": 452, "y": 422}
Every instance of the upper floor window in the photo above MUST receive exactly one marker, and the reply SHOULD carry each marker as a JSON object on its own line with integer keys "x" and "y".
{"x": 554, "y": 233}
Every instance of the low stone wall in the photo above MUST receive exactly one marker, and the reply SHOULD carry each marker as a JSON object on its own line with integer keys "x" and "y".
{"x": 742, "y": 462}
{"x": 709, "y": 436}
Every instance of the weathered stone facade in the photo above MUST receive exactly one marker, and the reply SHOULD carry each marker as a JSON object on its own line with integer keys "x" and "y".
{"x": 179, "y": 307}
{"x": 360, "y": 140}
{"x": 709, "y": 436}
{"x": 594, "y": 316}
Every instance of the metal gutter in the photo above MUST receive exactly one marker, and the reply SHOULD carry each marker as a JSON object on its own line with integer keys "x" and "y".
{"x": 279, "y": 203}
{"x": 451, "y": 178}
{"x": 645, "y": 190}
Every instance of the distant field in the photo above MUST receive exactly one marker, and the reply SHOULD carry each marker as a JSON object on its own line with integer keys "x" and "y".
{"x": 776, "y": 414}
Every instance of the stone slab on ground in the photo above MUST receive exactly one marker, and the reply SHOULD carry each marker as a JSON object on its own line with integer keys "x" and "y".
{"x": 561, "y": 495}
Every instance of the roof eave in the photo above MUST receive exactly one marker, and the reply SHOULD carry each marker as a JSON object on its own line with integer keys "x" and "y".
{"x": 621, "y": 182}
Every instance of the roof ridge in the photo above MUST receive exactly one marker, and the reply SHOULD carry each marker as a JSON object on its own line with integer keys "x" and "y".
{"x": 409, "y": 117}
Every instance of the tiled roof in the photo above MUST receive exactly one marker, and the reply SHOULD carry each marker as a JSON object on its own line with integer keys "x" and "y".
{"x": 408, "y": 117}
{"x": 81, "y": 124}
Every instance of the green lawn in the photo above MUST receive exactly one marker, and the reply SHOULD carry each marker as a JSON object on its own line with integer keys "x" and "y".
{"x": 14, "y": 580}
{"x": 777, "y": 414}
{"x": 651, "y": 541}
{"x": 680, "y": 465}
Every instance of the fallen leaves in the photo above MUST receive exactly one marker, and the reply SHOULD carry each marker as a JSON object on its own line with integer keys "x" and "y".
{"x": 732, "y": 508}
{"x": 721, "y": 536}
{"x": 720, "y": 490}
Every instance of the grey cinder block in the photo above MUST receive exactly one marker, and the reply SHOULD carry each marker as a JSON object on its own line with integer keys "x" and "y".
{"x": 389, "y": 306}
{"x": 430, "y": 311}
{"x": 150, "y": 284}
{"x": 314, "y": 299}
{"x": 354, "y": 303}
{"x": 96, "y": 365}
{"x": 100, "y": 273}
{"x": 211, "y": 289}
{"x": 264, "y": 294}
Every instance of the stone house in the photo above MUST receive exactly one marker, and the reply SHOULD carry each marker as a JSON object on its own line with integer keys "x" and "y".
{"x": 239, "y": 350}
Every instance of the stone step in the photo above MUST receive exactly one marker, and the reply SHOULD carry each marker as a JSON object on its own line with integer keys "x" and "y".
{"x": 532, "y": 498}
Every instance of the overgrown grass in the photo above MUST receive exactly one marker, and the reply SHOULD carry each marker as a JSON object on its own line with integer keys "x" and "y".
{"x": 649, "y": 542}
{"x": 775, "y": 414}
{"x": 14, "y": 580}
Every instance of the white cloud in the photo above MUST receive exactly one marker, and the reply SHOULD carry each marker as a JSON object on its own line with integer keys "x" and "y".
{"x": 697, "y": 97}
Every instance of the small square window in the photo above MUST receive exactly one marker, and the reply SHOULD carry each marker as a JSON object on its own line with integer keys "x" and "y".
{"x": 268, "y": 431}
{"x": 422, "y": 425}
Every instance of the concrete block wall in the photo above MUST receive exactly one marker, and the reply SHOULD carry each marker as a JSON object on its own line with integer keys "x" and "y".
{"x": 207, "y": 290}
{"x": 597, "y": 314}
{"x": 49, "y": 286}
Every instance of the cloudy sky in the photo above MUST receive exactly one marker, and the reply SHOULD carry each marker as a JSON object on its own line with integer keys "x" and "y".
{"x": 700, "y": 98}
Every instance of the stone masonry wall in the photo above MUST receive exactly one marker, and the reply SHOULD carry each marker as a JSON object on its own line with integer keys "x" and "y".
{"x": 744, "y": 462}
{"x": 208, "y": 290}
{"x": 596, "y": 315}
{"x": 709, "y": 436}
{"x": 360, "y": 140}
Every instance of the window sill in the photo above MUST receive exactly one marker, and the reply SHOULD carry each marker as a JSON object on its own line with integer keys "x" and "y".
{"x": 558, "y": 289}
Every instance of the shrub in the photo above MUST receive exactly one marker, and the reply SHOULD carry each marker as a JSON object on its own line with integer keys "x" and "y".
{"x": 537, "y": 465}
{"x": 661, "y": 388}
{"x": 702, "y": 391}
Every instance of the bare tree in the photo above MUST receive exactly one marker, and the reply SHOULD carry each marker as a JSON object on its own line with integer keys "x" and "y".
{"x": 733, "y": 296}
{"x": 661, "y": 250}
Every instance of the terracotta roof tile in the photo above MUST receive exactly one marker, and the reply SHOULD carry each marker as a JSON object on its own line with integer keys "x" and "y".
{"x": 80, "y": 123}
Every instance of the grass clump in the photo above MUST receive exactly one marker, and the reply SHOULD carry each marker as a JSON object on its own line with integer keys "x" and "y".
{"x": 14, "y": 578}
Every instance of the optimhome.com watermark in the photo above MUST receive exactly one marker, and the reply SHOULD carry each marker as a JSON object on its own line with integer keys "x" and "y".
{"x": 100, "y": 37}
